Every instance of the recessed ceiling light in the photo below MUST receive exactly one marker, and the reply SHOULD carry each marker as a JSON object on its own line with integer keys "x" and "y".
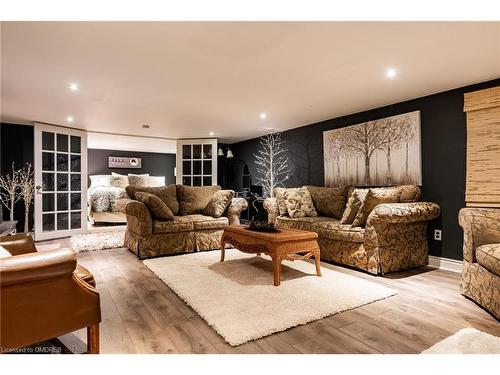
{"x": 211, "y": 134}
{"x": 263, "y": 116}
{"x": 70, "y": 119}
{"x": 73, "y": 86}
{"x": 391, "y": 73}
{"x": 146, "y": 126}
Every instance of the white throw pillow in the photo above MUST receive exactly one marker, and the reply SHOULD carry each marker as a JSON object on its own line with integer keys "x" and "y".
{"x": 139, "y": 175}
{"x": 4, "y": 253}
{"x": 100, "y": 180}
{"x": 156, "y": 181}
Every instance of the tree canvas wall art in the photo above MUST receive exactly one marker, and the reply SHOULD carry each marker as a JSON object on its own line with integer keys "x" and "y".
{"x": 381, "y": 152}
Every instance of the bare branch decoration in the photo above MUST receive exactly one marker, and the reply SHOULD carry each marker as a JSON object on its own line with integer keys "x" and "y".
{"x": 272, "y": 163}
{"x": 9, "y": 189}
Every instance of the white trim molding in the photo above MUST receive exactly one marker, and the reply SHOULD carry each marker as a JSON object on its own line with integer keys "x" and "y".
{"x": 445, "y": 264}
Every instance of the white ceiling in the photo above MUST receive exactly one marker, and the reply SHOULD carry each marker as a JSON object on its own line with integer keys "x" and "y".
{"x": 186, "y": 79}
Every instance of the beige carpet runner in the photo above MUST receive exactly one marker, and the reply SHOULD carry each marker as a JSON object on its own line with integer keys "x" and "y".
{"x": 238, "y": 299}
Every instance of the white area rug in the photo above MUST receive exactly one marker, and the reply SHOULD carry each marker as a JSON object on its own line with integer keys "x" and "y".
{"x": 238, "y": 299}
{"x": 467, "y": 341}
{"x": 108, "y": 239}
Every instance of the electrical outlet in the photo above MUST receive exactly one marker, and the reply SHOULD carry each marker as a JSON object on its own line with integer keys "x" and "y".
{"x": 437, "y": 234}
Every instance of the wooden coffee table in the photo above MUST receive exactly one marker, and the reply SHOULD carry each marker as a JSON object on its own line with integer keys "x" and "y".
{"x": 284, "y": 244}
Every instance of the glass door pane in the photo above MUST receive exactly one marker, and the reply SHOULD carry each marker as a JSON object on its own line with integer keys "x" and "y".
{"x": 195, "y": 162}
{"x": 61, "y": 180}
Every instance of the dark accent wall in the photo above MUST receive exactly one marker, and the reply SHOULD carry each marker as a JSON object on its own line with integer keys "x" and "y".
{"x": 16, "y": 146}
{"x": 443, "y": 130}
{"x": 153, "y": 163}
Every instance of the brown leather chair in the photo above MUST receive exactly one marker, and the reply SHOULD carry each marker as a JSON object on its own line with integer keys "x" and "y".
{"x": 44, "y": 295}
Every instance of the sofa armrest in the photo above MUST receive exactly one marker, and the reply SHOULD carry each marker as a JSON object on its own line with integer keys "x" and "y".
{"x": 271, "y": 206}
{"x": 237, "y": 206}
{"x": 481, "y": 227}
{"x": 36, "y": 266}
{"x": 139, "y": 218}
{"x": 399, "y": 213}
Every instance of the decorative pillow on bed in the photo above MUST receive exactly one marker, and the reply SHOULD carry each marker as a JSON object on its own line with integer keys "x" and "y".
{"x": 159, "y": 210}
{"x": 100, "y": 180}
{"x": 156, "y": 181}
{"x": 138, "y": 179}
{"x": 219, "y": 203}
{"x": 373, "y": 198}
{"x": 299, "y": 203}
{"x": 119, "y": 180}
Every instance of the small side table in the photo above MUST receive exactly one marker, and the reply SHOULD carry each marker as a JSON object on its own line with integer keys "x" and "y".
{"x": 7, "y": 228}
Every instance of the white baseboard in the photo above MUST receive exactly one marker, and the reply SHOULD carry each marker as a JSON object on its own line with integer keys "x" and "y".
{"x": 445, "y": 264}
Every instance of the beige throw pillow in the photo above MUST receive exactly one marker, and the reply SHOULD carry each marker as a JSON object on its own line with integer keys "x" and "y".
{"x": 159, "y": 210}
{"x": 279, "y": 194}
{"x": 219, "y": 203}
{"x": 299, "y": 203}
{"x": 329, "y": 201}
{"x": 373, "y": 198}
{"x": 353, "y": 205}
{"x": 168, "y": 194}
{"x": 194, "y": 199}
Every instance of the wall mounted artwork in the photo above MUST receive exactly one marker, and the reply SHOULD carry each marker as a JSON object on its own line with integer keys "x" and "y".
{"x": 381, "y": 152}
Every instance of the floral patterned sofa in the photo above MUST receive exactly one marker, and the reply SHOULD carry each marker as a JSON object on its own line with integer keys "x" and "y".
{"x": 393, "y": 238}
{"x": 481, "y": 268}
{"x": 190, "y": 228}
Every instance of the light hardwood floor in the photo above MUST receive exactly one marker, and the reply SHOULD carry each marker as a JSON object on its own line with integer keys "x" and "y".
{"x": 142, "y": 315}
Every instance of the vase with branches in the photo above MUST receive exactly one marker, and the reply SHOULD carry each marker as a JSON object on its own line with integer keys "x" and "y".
{"x": 26, "y": 191}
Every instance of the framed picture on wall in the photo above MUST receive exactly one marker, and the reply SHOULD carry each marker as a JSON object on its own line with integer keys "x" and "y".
{"x": 124, "y": 162}
{"x": 381, "y": 152}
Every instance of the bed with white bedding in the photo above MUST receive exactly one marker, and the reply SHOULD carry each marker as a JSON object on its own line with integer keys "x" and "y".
{"x": 105, "y": 190}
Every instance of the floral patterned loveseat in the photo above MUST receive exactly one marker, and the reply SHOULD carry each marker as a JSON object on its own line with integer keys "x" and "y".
{"x": 393, "y": 238}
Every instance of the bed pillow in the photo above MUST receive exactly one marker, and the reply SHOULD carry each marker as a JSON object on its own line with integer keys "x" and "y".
{"x": 353, "y": 205}
{"x": 329, "y": 201}
{"x": 156, "y": 181}
{"x": 299, "y": 203}
{"x": 159, "y": 210}
{"x": 194, "y": 199}
{"x": 138, "y": 180}
{"x": 100, "y": 180}
{"x": 219, "y": 203}
{"x": 373, "y": 198}
{"x": 117, "y": 180}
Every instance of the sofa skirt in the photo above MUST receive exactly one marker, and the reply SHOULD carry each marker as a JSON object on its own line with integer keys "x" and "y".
{"x": 172, "y": 243}
{"x": 481, "y": 286}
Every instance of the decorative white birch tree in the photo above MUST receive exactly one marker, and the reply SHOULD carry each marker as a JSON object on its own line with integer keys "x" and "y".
{"x": 9, "y": 189}
{"x": 27, "y": 191}
{"x": 272, "y": 163}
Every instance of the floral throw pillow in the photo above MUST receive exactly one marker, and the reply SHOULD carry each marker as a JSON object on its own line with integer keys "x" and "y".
{"x": 159, "y": 210}
{"x": 299, "y": 203}
{"x": 219, "y": 203}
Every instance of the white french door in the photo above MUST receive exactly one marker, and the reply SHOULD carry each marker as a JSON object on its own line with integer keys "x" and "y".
{"x": 60, "y": 181}
{"x": 196, "y": 162}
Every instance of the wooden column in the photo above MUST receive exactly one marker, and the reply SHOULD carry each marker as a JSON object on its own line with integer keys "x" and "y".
{"x": 483, "y": 148}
